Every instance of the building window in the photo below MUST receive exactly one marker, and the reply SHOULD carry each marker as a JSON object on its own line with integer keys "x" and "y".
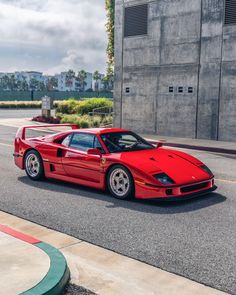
{"x": 136, "y": 20}
{"x": 180, "y": 89}
{"x": 190, "y": 89}
{"x": 230, "y": 12}
{"x": 127, "y": 90}
{"x": 171, "y": 89}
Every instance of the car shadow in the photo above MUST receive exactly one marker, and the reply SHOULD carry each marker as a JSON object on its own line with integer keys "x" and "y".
{"x": 149, "y": 206}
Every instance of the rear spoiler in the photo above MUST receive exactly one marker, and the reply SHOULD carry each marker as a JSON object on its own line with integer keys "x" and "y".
{"x": 22, "y": 130}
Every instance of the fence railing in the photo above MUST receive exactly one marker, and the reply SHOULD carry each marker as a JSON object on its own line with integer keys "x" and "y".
{"x": 102, "y": 111}
{"x": 56, "y": 95}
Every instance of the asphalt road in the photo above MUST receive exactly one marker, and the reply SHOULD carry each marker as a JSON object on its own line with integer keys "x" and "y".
{"x": 196, "y": 238}
{"x": 26, "y": 113}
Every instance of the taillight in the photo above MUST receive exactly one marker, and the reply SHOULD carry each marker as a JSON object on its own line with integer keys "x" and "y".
{"x": 17, "y": 141}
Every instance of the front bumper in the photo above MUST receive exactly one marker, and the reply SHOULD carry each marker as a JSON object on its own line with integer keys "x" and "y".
{"x": 187, "y": 196}
{"x": 187, "y": 191}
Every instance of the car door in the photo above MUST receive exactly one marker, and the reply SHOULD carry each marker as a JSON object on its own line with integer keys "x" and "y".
{"x": 76, "y": 161}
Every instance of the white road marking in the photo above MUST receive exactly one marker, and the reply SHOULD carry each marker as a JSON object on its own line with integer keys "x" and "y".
{"x": 5, "y": 144}
{"x": 226, "y": 180}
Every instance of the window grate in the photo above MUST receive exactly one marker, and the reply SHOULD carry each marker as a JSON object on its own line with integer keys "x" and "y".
{"x": 230, "y": 12}
{"x": 136, "y": 20}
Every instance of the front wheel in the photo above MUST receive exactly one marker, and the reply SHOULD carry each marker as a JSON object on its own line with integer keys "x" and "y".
{"x": 34, "y": 165}
{"x": 120, "y": 182}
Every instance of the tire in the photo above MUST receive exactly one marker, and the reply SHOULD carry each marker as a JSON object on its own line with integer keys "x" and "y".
{"x": 34, "y": 165}
{"x": 120, "y": 183}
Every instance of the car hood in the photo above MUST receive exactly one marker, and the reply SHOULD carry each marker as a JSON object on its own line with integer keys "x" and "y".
{"x": 181, "y": 167}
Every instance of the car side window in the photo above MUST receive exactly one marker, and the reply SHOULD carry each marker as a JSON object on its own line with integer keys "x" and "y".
{"x": 82, "y": 141}
{"x": 97, "y": 145}
{"x": 66, "y": 140}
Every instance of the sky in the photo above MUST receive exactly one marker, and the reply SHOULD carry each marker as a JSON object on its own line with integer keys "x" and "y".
{"x": 52, "y": 35}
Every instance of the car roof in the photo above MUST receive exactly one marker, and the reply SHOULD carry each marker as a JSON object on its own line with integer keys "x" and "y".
{"x": 99, "y": 130}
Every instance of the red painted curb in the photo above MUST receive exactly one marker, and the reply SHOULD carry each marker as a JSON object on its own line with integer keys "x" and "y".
{"x": 28, "y": 239}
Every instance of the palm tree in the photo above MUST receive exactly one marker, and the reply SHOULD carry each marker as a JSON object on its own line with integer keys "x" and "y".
{"x": 96, "y": 77}
{"x": 34, "y": 84}
{"x": 81, "y": 77}
{"x": 5, "y": 82}
{"x": 70, "y": 75}
{"x": 105, "y": 82}
{"x": 52, "y": 83}
{"x": 24, "y": 84}
{"x": 41, "y": 86}
{"x": 12, "y": 82}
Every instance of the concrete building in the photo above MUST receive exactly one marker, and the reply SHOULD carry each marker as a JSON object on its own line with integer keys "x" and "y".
{"x": 175, "y": 67}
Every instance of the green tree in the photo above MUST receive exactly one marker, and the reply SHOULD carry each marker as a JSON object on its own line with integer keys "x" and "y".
{"x": 105, "y": 82}
{"x": 33, "y": 84}
{"x": 70, "y": 75}
{"x": 110, "y": 25}
{"x": 41, "y": 86}
{"x": 81, "y": 77}
{"x": 24, "y": 85}
{"x": 5, "y": 82}
{"x": 12, "y": 85}
{"x": 96, "y": 78}
{"x": 52, "y": 83}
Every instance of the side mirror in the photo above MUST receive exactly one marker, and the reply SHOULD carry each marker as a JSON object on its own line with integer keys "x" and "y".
{"x": 159, "y": 144}
{"x": 95, "y": 152}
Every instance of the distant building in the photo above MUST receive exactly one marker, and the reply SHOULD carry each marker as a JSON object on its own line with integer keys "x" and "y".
{"x": 175, "y": 67}
{"x": 64, "y": 82}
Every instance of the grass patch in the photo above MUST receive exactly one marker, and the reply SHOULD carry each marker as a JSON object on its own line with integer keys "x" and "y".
{"x": 23, "y": 104}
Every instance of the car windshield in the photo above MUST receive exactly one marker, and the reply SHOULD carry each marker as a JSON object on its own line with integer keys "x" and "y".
{"x": 125, "y": 142}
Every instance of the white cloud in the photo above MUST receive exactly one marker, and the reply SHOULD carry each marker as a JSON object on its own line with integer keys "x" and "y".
{"x": 74, "y": 29}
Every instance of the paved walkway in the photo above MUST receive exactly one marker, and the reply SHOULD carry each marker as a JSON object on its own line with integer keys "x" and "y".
{"x": 29, "y": 266}
{"x": 22, "y": 265}
{"x": 99, "y": 270}
{"x": 195, "y": 144}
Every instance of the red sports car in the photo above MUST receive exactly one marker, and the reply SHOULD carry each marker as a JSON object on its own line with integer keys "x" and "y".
{"x": 114, "y": 159}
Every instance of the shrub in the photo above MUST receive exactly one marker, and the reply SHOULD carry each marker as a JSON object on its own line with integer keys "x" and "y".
{"x": 50, "y": 120}
{"x": 107, "y": 120}
{"x": 83, "y": 107}
{"x": 67, "y": 106}
{"x": 88, "y": 105}
{"x": 23, "y": 104}
{"x": 20, "y": 104}
{"x": 96, "y": 121}
{"x": 86, "y": 121}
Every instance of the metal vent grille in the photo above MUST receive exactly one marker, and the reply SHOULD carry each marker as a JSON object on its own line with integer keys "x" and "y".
{"x": 230, "y": 12}
{"x": 136, "y": 20}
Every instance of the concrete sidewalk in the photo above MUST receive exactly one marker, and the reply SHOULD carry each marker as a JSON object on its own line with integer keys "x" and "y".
{"x": 194, "y": 144}
{"x": 29, "y": 266}
{"x": 94, "y": 268}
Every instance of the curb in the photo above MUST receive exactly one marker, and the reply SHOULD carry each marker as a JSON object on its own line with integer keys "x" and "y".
{"x": 195, "y": 147}
{"x": 58, "y": 275}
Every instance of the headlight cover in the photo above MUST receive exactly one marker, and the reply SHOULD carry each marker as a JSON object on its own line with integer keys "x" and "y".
{"x": 164, "y": 178}
{"x": 206, "y": 169}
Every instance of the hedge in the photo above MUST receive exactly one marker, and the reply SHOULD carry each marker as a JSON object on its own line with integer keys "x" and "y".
{"x": 85, "y": 121}
{"x": 82, "y": 107}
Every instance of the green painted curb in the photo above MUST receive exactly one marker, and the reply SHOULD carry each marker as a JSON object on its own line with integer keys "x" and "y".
{"x": 57, "y": 277}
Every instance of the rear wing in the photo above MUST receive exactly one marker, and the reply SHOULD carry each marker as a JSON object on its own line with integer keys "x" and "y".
{"x": 21, "y": 133}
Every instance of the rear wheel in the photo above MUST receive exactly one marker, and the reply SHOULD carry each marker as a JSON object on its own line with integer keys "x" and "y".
{"x": 34, "y": 165}
{"x": 120, "y": 182}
